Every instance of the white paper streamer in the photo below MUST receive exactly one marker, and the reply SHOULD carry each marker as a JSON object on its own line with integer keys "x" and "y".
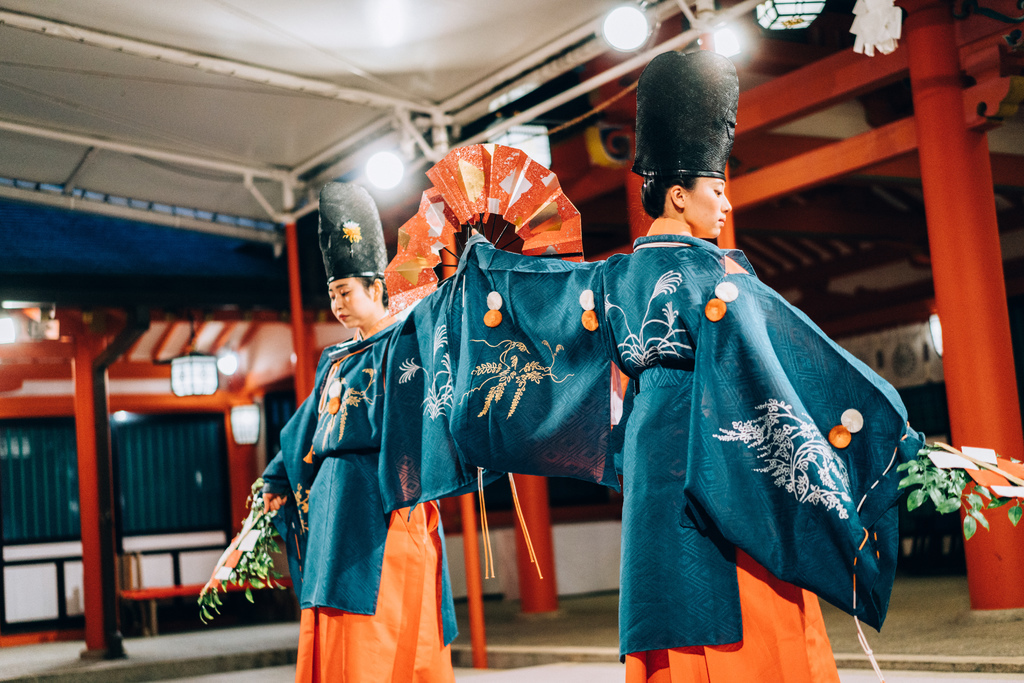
{"x": 983, "y": 454}
{"x": 877, "y": 25}
{"x": 948, "y": 461}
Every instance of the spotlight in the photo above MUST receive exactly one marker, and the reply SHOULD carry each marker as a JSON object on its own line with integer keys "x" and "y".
{"x": 228, "y": 363}
{"x": 626, "y": 28}
{"x": 935, "y": 328}
{"x": 727, "y": 43}
{"x": 385, "y": 170}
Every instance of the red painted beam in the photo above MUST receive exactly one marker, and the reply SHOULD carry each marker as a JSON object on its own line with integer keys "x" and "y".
{"x": 816, "y": 86}
{"x": 63, "y": 406}
{"x": 22, "y": 352}
{"x": 823, "y": 164}
{"x": 1007, "y": 169}
{"x": 223, "y": 336}
{"x": 159, "y": 348}
{"x": 248, "y": 334}
{"x": 844, "y": 76}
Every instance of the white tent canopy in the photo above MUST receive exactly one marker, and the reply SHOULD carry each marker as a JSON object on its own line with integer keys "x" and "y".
{"x": 245, "y": 108}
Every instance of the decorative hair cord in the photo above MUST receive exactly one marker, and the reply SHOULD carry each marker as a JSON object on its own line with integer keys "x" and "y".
{"x": 522, "y": 523}
{"x": 484, "y": 528}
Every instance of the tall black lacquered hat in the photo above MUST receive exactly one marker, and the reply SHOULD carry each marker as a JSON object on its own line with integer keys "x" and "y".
{"x": 351, "y": 238}
{"x": 685, "y": 115}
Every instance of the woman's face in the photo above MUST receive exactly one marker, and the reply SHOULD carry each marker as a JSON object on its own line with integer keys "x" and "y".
{"x": 705, "y": 207}
{"x": 354, "y": 305}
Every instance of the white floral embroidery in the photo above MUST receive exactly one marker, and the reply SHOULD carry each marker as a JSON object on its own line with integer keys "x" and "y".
{"x": 790, "y": 447}
{"x": 642, "y": 351}
{"x": 439, "y": 398}
{"x": 409, "y": 370}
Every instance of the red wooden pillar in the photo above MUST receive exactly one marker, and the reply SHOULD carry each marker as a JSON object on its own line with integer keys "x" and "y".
{"x": 242, "y": 472}
{"x": 970, "y": 292}
{"x": 535, "y": 594}
{"x": 470, "y": 545}
{"x": 639, "y": 221}
{"x": 95, "y": 496}
{"x": 304, "y": 368}
{"x": 474, "y": 584}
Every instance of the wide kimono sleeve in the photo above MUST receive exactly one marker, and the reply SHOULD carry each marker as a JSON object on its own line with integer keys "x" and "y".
{"x": 291, "y": 473}
{"x": 794, "y": 448}
{"x": 529, "y": 393}
{"x": 532, "y": 383}
{"x": 419, "y": 460}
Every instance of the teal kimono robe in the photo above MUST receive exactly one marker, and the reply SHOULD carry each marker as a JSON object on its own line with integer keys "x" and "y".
{"x": 722, "y": 444}
{"x": 334, "y": 524}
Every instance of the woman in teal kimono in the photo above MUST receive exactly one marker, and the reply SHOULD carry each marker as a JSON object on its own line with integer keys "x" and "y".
{"x": 735, "y": 503}
{"x": 373, "y": 587}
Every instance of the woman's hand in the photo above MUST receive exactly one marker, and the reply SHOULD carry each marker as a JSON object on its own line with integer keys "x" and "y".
{"x": 272, "y": 501}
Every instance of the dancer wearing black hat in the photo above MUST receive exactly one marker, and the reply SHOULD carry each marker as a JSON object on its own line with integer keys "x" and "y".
{"x": 374, "y": 588}
{"x": 686, "y": 116}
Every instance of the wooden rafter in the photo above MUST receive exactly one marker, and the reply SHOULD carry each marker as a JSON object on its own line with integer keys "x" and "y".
{"x": 223, "y": 336}
{"x": 161, "y": 342}
{"x": 824, "y": 164}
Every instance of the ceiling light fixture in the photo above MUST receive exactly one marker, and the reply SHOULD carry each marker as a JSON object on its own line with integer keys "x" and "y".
{"x": 776, "y": 16}
{"x": 935, "y": 328}
{"x": 727, "y": 43}
{"x": 228, "y": 363}
{"x": 626, "y": 28}
{"x": 385, "y": 170}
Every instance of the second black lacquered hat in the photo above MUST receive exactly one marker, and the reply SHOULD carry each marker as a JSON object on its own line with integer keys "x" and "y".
{"x": 351, "y": 238}
{"x": 685, "y": 115}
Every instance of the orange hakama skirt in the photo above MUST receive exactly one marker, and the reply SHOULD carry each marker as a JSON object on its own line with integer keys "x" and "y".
{"x": 784, "y": 640}
{"x": 403, "y": 641}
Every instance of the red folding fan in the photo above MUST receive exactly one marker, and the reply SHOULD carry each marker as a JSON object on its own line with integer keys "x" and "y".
{"x": 498, "y": 191}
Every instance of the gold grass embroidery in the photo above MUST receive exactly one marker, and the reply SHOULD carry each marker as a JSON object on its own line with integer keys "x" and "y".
{"x": 507, "y": 371}
{"x": 350, "y": 397}
{"x": 302, "y": 502}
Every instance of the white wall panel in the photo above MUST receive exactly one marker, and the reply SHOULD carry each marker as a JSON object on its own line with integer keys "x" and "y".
{"x": 74, "y": 588}
{"x": 30, "y": 592}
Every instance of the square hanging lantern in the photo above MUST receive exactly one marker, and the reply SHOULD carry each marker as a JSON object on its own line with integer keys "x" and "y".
{"x": 776, "y": 16}
{"x": 245, "y": 424}
{"x": 194, "y": 374}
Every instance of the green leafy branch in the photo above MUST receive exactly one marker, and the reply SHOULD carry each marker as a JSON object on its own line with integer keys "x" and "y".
{"x": 255, "y": 569}
{"x": 945, "y": 488}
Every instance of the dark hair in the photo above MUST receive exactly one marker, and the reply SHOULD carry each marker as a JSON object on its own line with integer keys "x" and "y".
{"x": 368, "y": 283}
{"x": 655, "y": 188}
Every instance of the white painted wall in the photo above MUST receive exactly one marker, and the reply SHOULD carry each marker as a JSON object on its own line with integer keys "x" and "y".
{"x": 586, "y": 559}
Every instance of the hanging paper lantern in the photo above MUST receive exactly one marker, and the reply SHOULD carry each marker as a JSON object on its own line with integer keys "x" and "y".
{"x": 194, "y": 374}
{"x": 245, "y": 424}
